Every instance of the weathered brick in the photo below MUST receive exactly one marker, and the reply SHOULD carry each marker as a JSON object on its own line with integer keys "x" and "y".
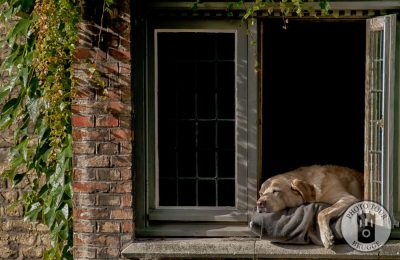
{"x": 91, "y": 213}
{"x": 121, "y": 187}
{"x": 87, "y": 174}
{"x": 95, "y": 161}
{"x": 83, "y": 199}
{"x": 84, "y": 148}
{"x": 109, "y": 174}
{"x": 108, "y": 200}
{"x": 121, "y": 134}
{"x": 91, "y": 187}
{"x": 82, "y": 121}
{"x": 119, "y": 54}
{"x": 126, "y": 147}
{"x": 106, "y": 121}
{"x": 119, "y": 107}
{"x": 108, "y": 253}
{"x": 97, "y": 240}
{"x": 109, "y": 227}
{"x": 84, "y": 252}
{"x": 83, "y": 226}
{"x": 108, "y": 148}
{"x": 121, "y": 214}
{"x": 127, "y": 227}
{"x": 121, "y": 160}
{"x": 126, "y": 200}
{"x": 126, "y": 173}
{"x": 90, "y": 135}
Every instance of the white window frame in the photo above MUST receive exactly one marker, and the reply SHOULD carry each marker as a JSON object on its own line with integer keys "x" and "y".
{"x": 155, "y": 220}
{"x": 387, "y": 170}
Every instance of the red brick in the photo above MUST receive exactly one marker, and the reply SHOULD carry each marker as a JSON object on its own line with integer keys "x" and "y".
{"x": 120, "y": 108}
{"x": 90, "y": 135}
{"x": 83, "y": 226}
{"x": 107, "y": 148}
{"x": 106, "y": 121}
{"x": 91, "y": 213}
{"x": 84, "y": 148}
{"x": 126, "y": 147}
{"x": 84, "y": 174}
{"x": 96, "y": 161}
{"x": 109, "y": 227}
{"x": 121, "y": 214}
{"x": 109, "y": 174}
{"x": 91, "y": 187}
{"x": 84, "y": 199}
{"x": 121, "y": 187}
{"x": 127, "y": 227}
{"x": 108, "y": 200}
{"x": 121, "y": 134}
{"x": 108, "y": 253}
{"x": 121, "y": 160}
{"x": 126, "y": 200}
{"x": 126, "y": 174}
{"x": 97, "y": 240}
{"x": 119, "y": 54}
{"x": 82, "y": 121}
{"x": 84, "y": 252}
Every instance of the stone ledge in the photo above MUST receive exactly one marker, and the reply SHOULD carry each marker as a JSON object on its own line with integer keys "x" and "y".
{"x": 247, "y": 248}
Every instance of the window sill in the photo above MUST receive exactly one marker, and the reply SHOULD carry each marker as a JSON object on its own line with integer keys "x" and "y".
{"x": 247, "y": 248}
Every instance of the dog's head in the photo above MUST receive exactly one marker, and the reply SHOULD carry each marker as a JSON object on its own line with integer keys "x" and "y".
{"x": 280, "y": 192}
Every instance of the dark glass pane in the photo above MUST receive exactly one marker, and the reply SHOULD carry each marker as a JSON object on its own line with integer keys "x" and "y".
{"x": 206, "y": 77}
{"x": 185, "y": 76}
{"x": 206, "y": 163}
{"x": 187, "y": 193}
{"x": 226, "y": 164}
{"x": 206, "y": 105}
{"x": 206, "y": 45}
{"x": 186, "y": 104}
{"x": 187, "y": 163}
{"x": 226, "y": 135}
{"x": 167, "y": 163}
{"x": 167, "y": 133}
{"x": 226, "y": 46}
{"x": 226, "y": 90}
{"x": 207, "y": 193}
{"x": 226, "y": 193}
{"x": 167, "y": 192}
{"x": 186, "y": 135}
{"x": 206, "y": 136}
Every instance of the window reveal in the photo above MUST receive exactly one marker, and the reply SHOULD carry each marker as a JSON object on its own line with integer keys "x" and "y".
{"x": 196, "y": 118}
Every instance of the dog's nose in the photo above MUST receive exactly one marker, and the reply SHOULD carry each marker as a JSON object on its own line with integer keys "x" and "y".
{"x": 259, "y": 203}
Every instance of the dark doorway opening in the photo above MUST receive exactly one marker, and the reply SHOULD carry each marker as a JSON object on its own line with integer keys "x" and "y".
{"x": 313, "y": 94}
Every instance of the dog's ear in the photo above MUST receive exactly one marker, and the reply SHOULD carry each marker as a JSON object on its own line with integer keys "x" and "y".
{"x": 306, "y": 190}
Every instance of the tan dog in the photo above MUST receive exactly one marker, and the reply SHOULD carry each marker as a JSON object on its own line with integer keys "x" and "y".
{"x": 334, "y": 185}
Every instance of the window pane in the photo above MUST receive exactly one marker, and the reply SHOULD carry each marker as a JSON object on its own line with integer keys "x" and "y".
{"x": 207, "y": 193}
{"x": 226, "y": 193}
{"x": 196, "y": 89}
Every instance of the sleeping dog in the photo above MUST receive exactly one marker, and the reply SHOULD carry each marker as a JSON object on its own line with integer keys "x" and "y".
{"x": 335, "y": 185}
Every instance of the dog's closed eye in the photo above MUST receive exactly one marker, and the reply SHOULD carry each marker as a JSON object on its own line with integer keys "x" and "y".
{"x": 276, "y": 192}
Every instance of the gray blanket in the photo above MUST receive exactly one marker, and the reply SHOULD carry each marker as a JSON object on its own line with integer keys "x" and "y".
{"x": 293, "y": 225}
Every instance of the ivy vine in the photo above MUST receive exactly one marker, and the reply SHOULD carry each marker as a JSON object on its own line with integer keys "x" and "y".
{"x": 36, "y": 96}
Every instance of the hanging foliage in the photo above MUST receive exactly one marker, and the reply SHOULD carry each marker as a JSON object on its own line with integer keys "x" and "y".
{"x": 36, "y": 98}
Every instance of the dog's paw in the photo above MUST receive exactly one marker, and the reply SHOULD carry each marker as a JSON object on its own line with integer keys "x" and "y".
{"x": 327, "y": 239}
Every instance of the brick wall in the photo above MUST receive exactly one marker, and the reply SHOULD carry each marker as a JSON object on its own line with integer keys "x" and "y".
{"x": 102, "y": 134}
{"x": 18, "y": 239}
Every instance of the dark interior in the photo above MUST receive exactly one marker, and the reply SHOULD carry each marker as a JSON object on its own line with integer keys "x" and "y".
{"x": 313, "y": 94}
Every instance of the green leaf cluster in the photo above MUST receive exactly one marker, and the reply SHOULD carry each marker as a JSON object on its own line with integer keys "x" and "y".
{"x": 36, "y": 93}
